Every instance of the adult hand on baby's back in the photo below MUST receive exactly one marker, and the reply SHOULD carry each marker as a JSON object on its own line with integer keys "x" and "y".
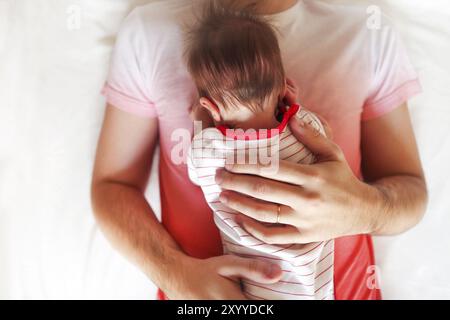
{"x": 318, "y": 202}
{"x": 218, "y": 278}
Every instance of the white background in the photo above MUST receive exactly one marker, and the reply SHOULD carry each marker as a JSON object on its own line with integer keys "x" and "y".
{"x": 50, "y": 115}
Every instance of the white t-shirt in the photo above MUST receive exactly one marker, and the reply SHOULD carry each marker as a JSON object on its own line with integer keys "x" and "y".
{"x": 346, "y": 72}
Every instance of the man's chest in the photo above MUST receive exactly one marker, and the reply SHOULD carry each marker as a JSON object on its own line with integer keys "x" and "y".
{"x": 334, "y": 85}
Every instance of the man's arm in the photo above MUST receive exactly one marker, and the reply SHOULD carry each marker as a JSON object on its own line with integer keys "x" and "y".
{"x": 122, "y": 166}
{"x": 391, "y": 163}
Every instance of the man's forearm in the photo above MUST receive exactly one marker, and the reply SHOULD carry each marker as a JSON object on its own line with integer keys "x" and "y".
{"x": 401, "y": 201}
{"x": 130, "y": 225}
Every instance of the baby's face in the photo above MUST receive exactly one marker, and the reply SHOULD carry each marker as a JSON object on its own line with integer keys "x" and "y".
{"x": 241, "y": 116}
{"x": 237, "y": 113}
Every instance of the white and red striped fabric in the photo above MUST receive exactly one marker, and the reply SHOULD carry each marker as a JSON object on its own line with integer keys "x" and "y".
{"x": 307, "y": 268}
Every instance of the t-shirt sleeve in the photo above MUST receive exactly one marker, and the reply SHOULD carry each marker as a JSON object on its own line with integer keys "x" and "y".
{"x": 394, "y": 80}
{"x": 127, "y": 85}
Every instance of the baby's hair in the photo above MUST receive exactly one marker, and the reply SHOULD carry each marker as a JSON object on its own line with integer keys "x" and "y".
{"x": 234, "y": 56}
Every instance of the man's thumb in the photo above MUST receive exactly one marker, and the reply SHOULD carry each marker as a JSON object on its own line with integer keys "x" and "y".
{"x": 251, "y": 269}
{"x": 317, "y": 143}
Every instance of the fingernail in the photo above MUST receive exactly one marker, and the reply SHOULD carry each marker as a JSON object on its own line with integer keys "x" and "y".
{"x": 229, "y": 166}
{"x": 219, "y": 176}
{"x": 297, "y": 122}
{"x": 272, "y": 271}
{"x": 223, "y": 198}
{"x": 301, "y": 123}
{"x": 299, "y": 126}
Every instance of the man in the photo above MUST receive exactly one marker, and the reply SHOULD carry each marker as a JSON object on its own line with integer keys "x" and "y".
{"x": 357, "y": 79}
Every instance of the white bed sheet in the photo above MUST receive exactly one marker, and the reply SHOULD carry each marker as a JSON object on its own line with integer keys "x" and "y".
{"x": 50, "y": 114}
{"x": 414, "y": 265}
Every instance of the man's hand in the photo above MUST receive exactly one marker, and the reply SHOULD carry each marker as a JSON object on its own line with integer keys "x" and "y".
{"x": 318, "y": 202}
{"x": 218, "y": 278}
{"x": 326, "y": 200}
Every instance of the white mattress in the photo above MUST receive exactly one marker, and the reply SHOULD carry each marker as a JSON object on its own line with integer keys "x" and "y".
{"x": 50, "y": 114}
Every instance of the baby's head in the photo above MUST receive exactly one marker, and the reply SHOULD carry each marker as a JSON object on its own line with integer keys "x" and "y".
{"x": 235, "y": 60}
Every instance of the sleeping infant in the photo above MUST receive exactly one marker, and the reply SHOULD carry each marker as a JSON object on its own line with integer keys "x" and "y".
{"x": 235, "y": 62}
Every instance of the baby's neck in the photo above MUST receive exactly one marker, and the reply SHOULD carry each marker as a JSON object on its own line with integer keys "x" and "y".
{"x": 259, "y": 121}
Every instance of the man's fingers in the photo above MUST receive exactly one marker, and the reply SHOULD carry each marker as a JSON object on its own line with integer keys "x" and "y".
{"x": 252, "y": 269}
{"x": 289, "y": 172}
{"x": 326, "y": 127}
{"x": 278, "y": 234}
{"x": 256, "y": 209}
{"x": 257, "y": 187}
{"x": 321, "y": 146}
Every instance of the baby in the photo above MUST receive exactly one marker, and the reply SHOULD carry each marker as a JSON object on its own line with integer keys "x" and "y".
{"x": 235, "y": 62}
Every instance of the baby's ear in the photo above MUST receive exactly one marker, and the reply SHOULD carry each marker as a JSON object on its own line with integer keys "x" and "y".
{"x": 211, "y": 108}
{"x": 198, "y": 113}
{"x": 291, "y": 92}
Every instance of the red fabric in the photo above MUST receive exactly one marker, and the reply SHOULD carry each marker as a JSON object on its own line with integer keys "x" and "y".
{"x": 353, "y": 257}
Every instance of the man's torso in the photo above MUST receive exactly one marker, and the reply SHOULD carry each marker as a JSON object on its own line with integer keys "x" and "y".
{"x": 333, "y": 85}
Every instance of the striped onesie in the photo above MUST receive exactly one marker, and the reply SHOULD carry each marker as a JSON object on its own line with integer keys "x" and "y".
{"x": 307, "y": 268}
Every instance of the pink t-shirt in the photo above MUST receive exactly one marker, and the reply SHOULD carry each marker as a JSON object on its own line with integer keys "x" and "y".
{"x": 346, "y": 72}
